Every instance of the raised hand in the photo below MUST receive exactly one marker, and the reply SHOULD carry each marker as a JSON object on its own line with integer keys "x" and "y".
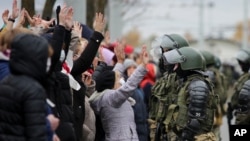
{"x": 119, "y": 52}
{"x": 15, "y": 10}
{"x": 99, "y": 23}
{"x": 46, "y": 24}
{"x": 144, "y": 56}
{"x": 21, "y": 19}
{"x": 69, "y": 19}
{"x": 66, "y": 17}
{"x": 36, "y": 20}
{"x": 77, "y": 29}
{"x": 5, "y": 16}
{"x": 107, "y": 38}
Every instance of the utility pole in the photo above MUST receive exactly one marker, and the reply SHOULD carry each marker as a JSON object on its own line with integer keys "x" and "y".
{"x": 245, "y": 26}
{"x": 201, "y": 24}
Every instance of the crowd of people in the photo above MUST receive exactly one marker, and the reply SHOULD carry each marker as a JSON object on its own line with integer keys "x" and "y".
{"x": 61, "y": 80}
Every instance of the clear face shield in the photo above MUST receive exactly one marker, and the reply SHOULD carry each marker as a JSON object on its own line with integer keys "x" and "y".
{"x": 156, "y": 49}
{"x": 162, "y": 44}
{"x": 173, "y": 57}
{"x": 242, "y": 55}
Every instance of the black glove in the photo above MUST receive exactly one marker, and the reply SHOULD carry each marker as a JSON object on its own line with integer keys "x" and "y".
{"x": 229, "y": 113}
{"x": 187, "y": 135}
{"x": 190, "y": 130}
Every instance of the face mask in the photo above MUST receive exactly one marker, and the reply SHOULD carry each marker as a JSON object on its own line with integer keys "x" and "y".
{"x": 121, "y": 81}
{"x": 62, "y": 56}
{"x": 48, "y": 64}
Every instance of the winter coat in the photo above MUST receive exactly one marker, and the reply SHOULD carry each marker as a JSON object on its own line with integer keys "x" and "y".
{"x": 140, "y": 112}
{"x": 79, "y": 66}
{"x": 116, "y": 113}
{"x": 89, "y": 128}
{"x": 58, "y": 89}
{"x": 23, "y": 107}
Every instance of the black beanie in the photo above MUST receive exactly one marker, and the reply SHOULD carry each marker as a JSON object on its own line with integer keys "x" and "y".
{"x": 105, "y": 80}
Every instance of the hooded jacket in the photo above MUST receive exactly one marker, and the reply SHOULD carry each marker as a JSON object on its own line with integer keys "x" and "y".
{"x": 23, "y": 106}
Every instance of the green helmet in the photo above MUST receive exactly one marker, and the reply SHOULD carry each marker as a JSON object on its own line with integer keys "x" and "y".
{"x": 179, "y": 39}
{"x": 189, "y": 58}
{"x": 209, "y": 57}
{"x": 217, "y": 62}
{"x": 243, "y": 55}
{"x": 166, "y": 43}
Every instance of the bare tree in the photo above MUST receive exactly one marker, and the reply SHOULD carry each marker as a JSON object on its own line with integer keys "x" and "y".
{"x": 94, "y": 6}
{"x": 48, "y": 8}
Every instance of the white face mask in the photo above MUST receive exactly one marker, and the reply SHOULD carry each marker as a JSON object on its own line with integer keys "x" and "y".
{"x": 62, "y": 56}
{"x": 48, "y": 64}
{"x": 122, "y": 81}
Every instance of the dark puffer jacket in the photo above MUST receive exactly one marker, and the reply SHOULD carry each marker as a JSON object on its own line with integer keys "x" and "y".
{"x": 22, "y": 97}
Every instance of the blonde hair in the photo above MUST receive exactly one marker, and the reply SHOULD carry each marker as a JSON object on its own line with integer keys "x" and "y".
{"x": 7, "y": 37}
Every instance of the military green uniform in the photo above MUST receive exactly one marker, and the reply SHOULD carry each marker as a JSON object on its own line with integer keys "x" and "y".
{"x": 159, "y": 102}
{"x": 237, "y": 87}
{"x": 177, "y": 117}
{"x": 240, "y": 100}
{"x": 218, "y": 80}
{"x": 164, "y": 87}
{"x": 190, "y": 114}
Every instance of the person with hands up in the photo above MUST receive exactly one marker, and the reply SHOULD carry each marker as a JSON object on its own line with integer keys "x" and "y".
{"x": 10, "y": 20}
{"x": 110, "y": 99}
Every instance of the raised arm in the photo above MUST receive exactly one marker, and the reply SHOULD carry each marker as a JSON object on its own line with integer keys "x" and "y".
{"x": 86, "y": 58}
{"x": 120, "y": 95}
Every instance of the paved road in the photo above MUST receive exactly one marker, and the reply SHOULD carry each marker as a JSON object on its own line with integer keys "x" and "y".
{"x": 224, "y": 130}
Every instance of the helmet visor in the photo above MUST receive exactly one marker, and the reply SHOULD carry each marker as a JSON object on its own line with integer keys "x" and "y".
{"x": 242, "y": 55}
{"x": 173, "y": 57}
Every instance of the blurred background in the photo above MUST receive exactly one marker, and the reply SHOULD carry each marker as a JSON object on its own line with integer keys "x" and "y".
{"x": 220, "y": 26}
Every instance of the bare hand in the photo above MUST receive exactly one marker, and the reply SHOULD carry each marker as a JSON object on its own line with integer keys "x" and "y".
{"x": 77, "y": 29}
{"x": 144, "y": 56}
{"x": 69, "y": 19}
{"x": 99, "y": 22}
{"x": 87, "y": 78}
{"x": 15, "y": 10}
{"x": 101, "y": 58}
{"x": 56, "y": 138}
{"x": 66, "y": 17}
{"x": 5, "y": 16}
{"x": 46, "y": 24}
{"x": 35, "y": 21}
{"x": 119, "y": 52}
{"x": 107, "y": 37}
{"x": 54, "y": 121}
{"x": 21, "y": 19}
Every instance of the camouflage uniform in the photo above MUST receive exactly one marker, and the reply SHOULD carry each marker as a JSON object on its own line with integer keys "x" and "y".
{"x": 164, "y": 87}
{"x": 190, "y": 115}
{"x": 218, "y": 80}
{"x": 243, "y": 58}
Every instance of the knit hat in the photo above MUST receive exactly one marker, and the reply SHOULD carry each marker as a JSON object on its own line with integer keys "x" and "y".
{"x": 128, "y": 49}
{"x": 107, "y": 56}
{"x": 105, "y": 80}
{"x": 128, "y": 63}
{"x": 86, "y": 31}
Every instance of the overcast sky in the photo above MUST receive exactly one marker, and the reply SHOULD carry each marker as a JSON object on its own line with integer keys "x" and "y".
{"x": 177, "y": 16}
